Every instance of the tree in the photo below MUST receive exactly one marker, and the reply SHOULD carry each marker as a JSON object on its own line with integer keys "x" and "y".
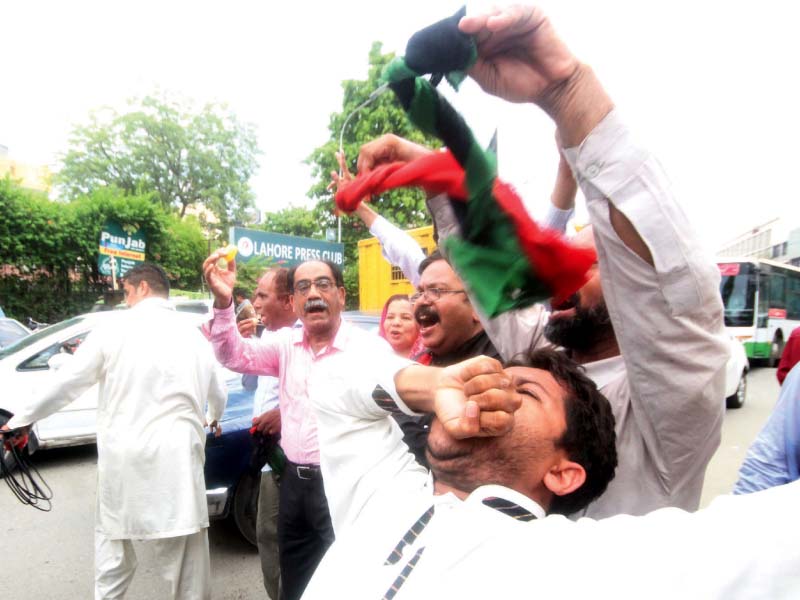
{"x": 294, "y": 220}
{"x": 404, "y": 207}
{"x": 187, "y": 159}
{"x": 49, "y": 250}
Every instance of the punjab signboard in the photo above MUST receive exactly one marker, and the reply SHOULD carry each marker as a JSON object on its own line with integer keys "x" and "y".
{"x": 283, "y": 250}
{"x": 124, "y": 249}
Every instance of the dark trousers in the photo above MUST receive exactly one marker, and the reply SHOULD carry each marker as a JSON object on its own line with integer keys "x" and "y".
{"x": 304, "y": 527}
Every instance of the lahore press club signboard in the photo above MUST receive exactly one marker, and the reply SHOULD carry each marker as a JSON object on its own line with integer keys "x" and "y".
{"x": 283, "y": 250}
{"x": 122, "y": 248}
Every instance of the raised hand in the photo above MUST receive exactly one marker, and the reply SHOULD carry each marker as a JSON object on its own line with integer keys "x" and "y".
{"x": 474, "y": 398}
{"x": 388, "y": 148}
{"x": 220, "y": 281}
{"x": 522, "y": 59}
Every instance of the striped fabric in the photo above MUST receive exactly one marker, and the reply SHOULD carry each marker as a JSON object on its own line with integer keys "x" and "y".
{"x": 384, "y": 400}
{"x": 410, "y": 537}
{"x": 401, "y": 579}
{"x": 512, "y": 509}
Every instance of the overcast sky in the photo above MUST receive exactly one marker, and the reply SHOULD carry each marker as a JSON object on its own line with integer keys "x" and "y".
{"x": 711, "y": 87}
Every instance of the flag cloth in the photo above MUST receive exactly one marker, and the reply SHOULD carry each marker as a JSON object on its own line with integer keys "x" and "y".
{"x": 505, "y": 258}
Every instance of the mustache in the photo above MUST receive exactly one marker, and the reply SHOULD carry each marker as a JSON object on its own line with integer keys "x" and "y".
{"x": 426, "y": 314}
{"x": 315, "y": 304}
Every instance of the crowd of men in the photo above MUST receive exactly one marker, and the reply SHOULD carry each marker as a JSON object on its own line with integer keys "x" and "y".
{"x": 596, "y": 407}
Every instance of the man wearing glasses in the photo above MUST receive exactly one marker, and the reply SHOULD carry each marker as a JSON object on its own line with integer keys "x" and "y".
{"x": 449, "y": 326}
{"x": 297, "y": 357}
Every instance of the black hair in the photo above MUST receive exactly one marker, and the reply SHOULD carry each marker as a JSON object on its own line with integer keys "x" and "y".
{"x": 589, "y": 438}
{"x": 335, "y": 270}
{"x": 154, "y": 275}
{"x": 431, "y": 258}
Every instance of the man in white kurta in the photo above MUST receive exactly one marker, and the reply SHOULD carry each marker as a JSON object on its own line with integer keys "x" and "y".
{"x": 156, "y": 373}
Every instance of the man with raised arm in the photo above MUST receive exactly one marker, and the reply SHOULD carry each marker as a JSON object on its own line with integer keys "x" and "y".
{"x": 297, "y": 356}
{"x": 648, "y": 325}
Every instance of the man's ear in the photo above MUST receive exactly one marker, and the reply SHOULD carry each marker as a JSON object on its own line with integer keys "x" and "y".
{"x": 286, "y": 302}
{"x": 564, "y": 477}
{"x": 146, "y": 290}
{"x": 293, "y": 305}
{"x": 341, "y": 296}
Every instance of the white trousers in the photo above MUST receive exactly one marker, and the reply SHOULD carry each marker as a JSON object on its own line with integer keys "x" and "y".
{"x": 183, "y": 561}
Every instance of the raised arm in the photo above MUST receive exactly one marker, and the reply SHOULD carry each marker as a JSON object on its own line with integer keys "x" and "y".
{"x": 660, "y": 288}
{"x": 251, "y": 355}
{"x": 78, "y": 374}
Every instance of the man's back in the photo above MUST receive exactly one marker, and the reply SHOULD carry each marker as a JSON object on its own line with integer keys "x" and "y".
{"x": 156, "y": 373}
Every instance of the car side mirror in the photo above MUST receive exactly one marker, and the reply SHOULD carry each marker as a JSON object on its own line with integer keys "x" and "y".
{"x": 59, "y": 360}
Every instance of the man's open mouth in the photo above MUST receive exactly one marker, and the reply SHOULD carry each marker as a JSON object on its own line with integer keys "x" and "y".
{"x": 426, "y": 316}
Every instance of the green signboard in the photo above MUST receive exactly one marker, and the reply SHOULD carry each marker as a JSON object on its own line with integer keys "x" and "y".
{"x": 283, "y": 250}
{"x": 121, "y": 248}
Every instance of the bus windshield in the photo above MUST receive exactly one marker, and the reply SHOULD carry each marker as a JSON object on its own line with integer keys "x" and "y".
{"x": 738, "y": 289}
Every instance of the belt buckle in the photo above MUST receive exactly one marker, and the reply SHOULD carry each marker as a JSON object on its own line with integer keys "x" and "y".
{"x": 305, "y": 472}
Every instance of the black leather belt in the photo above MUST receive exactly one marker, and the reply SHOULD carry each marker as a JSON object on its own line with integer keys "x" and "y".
{"x": 304, "y": 471}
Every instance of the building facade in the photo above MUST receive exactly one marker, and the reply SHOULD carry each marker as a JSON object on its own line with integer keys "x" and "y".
{"x": 778, "y": 240}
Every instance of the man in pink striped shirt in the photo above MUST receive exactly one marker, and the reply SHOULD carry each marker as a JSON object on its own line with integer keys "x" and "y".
{"x": 297, "y": 357}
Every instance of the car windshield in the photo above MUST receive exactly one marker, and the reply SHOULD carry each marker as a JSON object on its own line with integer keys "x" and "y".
{"x": 10, "y": 331}
{"x": 38, "y": 335}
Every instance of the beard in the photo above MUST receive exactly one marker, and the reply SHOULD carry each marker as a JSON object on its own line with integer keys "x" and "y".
{"x": 582, "y": 331}
{"x": 467, "y": 464}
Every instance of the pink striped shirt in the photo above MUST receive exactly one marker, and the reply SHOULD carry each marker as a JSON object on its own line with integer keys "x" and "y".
{"x": 286, "y": 354}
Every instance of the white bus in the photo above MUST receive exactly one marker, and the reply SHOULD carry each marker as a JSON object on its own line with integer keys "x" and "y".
{"x": 762, "y": 304}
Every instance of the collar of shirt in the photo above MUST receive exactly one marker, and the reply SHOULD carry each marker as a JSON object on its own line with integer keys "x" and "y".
{"x": 154, "y": 301}
{"x": 499, "y": 491}
{"x": 603, "y": 372}
{"x": 339, "y": 343}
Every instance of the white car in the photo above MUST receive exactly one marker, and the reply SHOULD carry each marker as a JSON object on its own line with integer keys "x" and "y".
{"x": 26, "y": 366}
{"x": 736, "y": 375}
{"x": 11, "y": 330}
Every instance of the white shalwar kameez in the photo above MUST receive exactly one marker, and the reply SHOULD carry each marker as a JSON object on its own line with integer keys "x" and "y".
{"x": 156, "y": 373}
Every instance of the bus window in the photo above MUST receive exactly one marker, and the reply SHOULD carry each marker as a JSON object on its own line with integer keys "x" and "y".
{"x": 738, "y": 296}
{"x": 777, "y": 291}
{"x": 793, "y": 298}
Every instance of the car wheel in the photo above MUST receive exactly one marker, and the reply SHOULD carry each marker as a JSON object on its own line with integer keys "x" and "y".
{"x": 736, "y": 400}
{"x": 245, "y": 506}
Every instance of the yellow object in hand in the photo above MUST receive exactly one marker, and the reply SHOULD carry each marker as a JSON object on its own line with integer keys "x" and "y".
{"x": 230, "y": 252}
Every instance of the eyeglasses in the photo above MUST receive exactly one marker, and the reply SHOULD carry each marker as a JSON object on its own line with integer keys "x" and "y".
{"x": 433, "y": 294}
{"x": 323, "y": 284}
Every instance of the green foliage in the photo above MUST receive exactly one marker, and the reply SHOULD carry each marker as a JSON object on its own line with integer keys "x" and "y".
{"x": 294, "y": 220}
{"x": 49, "y": 249}
{"x": 185, "y": 158}
{"x": 248, "y": 273}
{"x": 181, "y": 251}
{"x": 405, "y": 208}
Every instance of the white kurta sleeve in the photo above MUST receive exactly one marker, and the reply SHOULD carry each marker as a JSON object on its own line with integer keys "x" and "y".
{"x": 398, "y": 248}
{"x": 76, "y": 376}
{"x": 361, "y": 446}
{"x": 668, "y": 319}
